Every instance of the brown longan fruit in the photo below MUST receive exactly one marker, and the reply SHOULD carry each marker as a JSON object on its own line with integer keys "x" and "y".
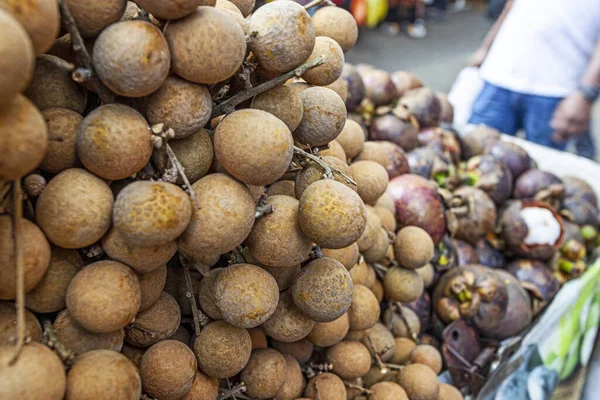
{"x": 206, "y": 61}
{"x": 387, "y": 390}
{"x": 247, "y": 295}
{"x": 231, "y": 9}
{"x": 151, "y": 285}
{"x": 168, "y": 370}
{"x": 325, "y": 386}
{"x": 104, "y": 296}
{"x": 206, "y": 294}
{"x": 169, "y": 9}
{"x": 182, "y": 335}
{"x": 379, "y": 249}
{"x": 92, "y": 17}
{"x": 340, "y": 86}
{"x": 402, "y": 285}
{"x": 161, "y": 319}
{"x": 276, "y": 239}
{"x": 254, "y": 146}
{"x": 62, "y": 126}
{"x": 222, "y": 219}
{"x": 337, "y": 24}
{"x": 182, "y": 106}
{"x": 301, "y": 350}
{"x": 350, "y": 360}
{"x": 24, "y": 140}
{"x": 419, "y": 382}
{"x": 222, "y": 349}
{"x": 398, "y": 324}
{"x": 203, "y": 388}
{"x": 364, "y": 311}
{"x": 53, "y": 87}
{"x": 380, "y": 340}
{"x": 337, "y": 225}
{"x": 258, "y": 339}
{"x": 264, "y": 374}
{"x": 134, "y": 354}
{"x": 388, "y": 219}
{"x": 8, "y": 325}
{"x": 385, "y": 201}
{"x": 49, "y": 294}
{"x": 283, "y": 188}
{"x": 324, "y": 116}
{"x": 360, "y": 274}
{"x": 294, "y": 381}
{"x": 348, "y": 256}
{"x": 150, "y": 213}
{"x": 17, "y": 58}
{"x": 37, "y": 373}
{"x": 403, "y": 350}
{"x": 245, "y": 6}
{"x": 413, "y": 247}
{"x": 427, "y": 273}
{"x": 132, "y": 58}
{"x": 284, "y": 276}
{"x": 103, "y": 374}
{"x": 374, "y": 224}
{"x": 373, "y": 151}
{"x": 298, "y": 86}
{"x": 375, "y": 376}
{"x": 284, "y": 38}
{"x": 288, "y": 324}
{"x": 352, "y": 138}
{"x": 371, "y": 179}
{"x": 427, "y": 355}
{"x": 323, "y": 290}
{"x": 114, "y": 141}
{"x": 325, "y": 334}
{"x": 80, "y": 341}
{"x": 377, "y": 290}
{"x": 283, "y": 102}
{"x": 313, "y": 173}
{"x": 331, "y": 70}
{"x": 371, "y": 277}
{"x": 449, "y": 392}
{"x": 35, "y": 252}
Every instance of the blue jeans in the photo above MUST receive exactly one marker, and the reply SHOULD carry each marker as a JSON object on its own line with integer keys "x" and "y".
{"x": 509, "y": 111}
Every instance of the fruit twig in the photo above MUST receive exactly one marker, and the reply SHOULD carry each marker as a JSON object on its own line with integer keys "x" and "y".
{"x": 189, "y": 293}
{"x": 316, "y": 252}
{"x": 315, "y": 369}
{"x": 144, "y": 396}
{"x": 228, "y": 106}
{"x": 86, "y": 73}
{"x": 362, "y": 390}
{"x": 181, "y": 170}
{"x": 17, "y": 213}
{"x": 378, "y": 360}
{"x": 380, "y": 270}
{"x": 412, "y": 334}
{"x": 263, "y": 207}
{"x": 50, "y": 339}
{"x": 319, "y": 2}
{"x": 236, "y": 257}
{"x": 329, "y": 171}
{"x": 237, "y": 389}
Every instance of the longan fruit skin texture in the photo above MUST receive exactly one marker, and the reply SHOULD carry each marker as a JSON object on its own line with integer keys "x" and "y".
{"x": 79, "y": 340}
{"x": 323, "y": 290}
{"x": 331, "y": 214}
{"x": 331, "y": 387}
{"x": 245, "y": 6}
{"x": 17, "y": 55}
{"x": 282, "y": 188}
{"x": 168, "y": 370}
{"x": 62, "y": 126}
{"x": 404, "y": 346}
{"x": 335, "y": 150}
{"x": 99, "y": 285}
{"x": 206, "y": 294}
{"x": 352, "y": 138}
{"x": 325, "y": 334}
{"x": 419, "y": 382}
{"x": 181, "y": 105}
{"x": 404, "y": 285}
{"x": 288, "y": 324}
{"x": 359, "y": 273}
{"x": 8, "y": 324}
{"x": 449, "y": 392}
{"x": 35, "y": 251}
{"x": 364, "y": 310}
{"x": 294, "y": 381}
{"x": 222, "y": 349}
{"x": 264, "y": 374}
{"x": 285, "y": 36}
{"x": 257, "y": 338}
{"x": 37, "y": 373}
{"x": 371, "y": 179}
{"x": 40, "y": 18}
{"x": 348, "y": 256}
{"x": 413, "y": 247}
{"x": 387, "y": 390}
{"x": 301, "y": 350}
{"x": 350, "y": 360}
{"x": 92, "y": 16}
{"x": 247, "y": 295}
{"x": 206, "y": 61}
{"x": 313, "y": 173}
{"x": 132, "y": 58}
{"x": 340, "y": 86}
{"x": 24, "y": 140}
{"x": 337, "y": 24}
{"x": 380, "y": 340}
{"x": 151, "y": 213}
{"x": 388, "y": 219}
{"x": 151, "y": 286}
{"x": 254, "y": 146}
{"x": 427, "y": 355}
{"x": 163, "y": 318}
{"x": 169, "y": 9}
{"x": 282, "y": 102}
{"x": 399, "y": 328}
{"x": 114, "y": 141}
{"x": 203, "y": 388}
{"x": 331, "y": 70}
{"x": 103, "y": 374}
{"x": 379, "y": 249}
{"x": 323, "y": 119}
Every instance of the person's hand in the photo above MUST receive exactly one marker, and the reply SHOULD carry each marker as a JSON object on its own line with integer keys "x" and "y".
{"x": 478, "y": 57}
{"x": 571, "y": 118}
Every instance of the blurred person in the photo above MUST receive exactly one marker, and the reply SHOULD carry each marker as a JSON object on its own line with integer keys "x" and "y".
{"x": 541, "y": 66}
{"x": 397, "y": 10}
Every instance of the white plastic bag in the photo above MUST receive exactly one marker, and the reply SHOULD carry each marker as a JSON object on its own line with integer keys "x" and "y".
{"x": 465, "y": 89}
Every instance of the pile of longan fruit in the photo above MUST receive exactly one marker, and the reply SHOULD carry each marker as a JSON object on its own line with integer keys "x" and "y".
{"x": 258, "y": 279}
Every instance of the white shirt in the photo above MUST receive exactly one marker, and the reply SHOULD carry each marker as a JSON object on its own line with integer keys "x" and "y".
{"x": 544, "y": 46}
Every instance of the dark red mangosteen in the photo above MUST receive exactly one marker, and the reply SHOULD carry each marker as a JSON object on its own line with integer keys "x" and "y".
{"x": 443, "y": 141}
{"x": 405, "y": 81}
{"x": 489, "y": 175}
{"x": 390, "y": 128}
{"x": 516, "y": 159}
{"x": 480, "y": 219}
{"x": 424, "y": 105}
{"x": 475, "y": 142}
{"x": 379, "y": 87}
{"x": 578, "y": 188}
{"x": 533, "y": 181}
{"x": 356, "y": 87}
{"x": 466, "y": 253}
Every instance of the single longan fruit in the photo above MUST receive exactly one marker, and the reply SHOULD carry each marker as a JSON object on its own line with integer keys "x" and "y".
{"x": 371, "y": 277}
{"x": 247, "y": 295}
{"x": 427, "y": 355}
{"x": 331, "y": 70}
{"x": 222, "y": 349}
{"x": 335, "y": 150}
{"x": 37, "y": 373}
{"x": 168, "y": 370}
{"x": 151, "y": 285}
{"x": 92, "y": 17}
{"x": 399, "y": 327}
{"x": 258, "y": 339}
{"x": 352, "y": 138}
{"x": 377, "y": 290}
{"x": 79, "y": 340}
{"x": 206, "y": 294}
{"x": 134, "y": 354}
{"x": 24, "y": 139}
{"x": 350, "y": 360}
{"x": 388, "y": 219}
{"x": 17, "y": 58}
{"x": 169, "y": 9}
{"x": 413, "y": 247}
{"x": 313, "y": 173}
{"x": 379, "y": 249}
{"x": 285, "y": 36}
{"x": 161, "y": 319}
{"x": 371, "y": 179}
{"x": 301, "y": 350}
{"x": 359, "y": 274}
{"x": 323, "y": 290}
{"x": 387, "y": 390}
{"x": 402, "y": 285}
{"x": 222, "y": 219}
{"x": 264, "y": 374}
{"x": 348, "y": 256}
{"x": 150, "y": 213}
{"x": 288, "y": 324}
{"x": 364, "y": 311}
{"x": 404, "y": 348}
{"x": 8, "y": 325}
{"x": 298, "y": 86}
{"x": 427, "y": 273}
{"x": 245, "y": 6}
{"x": 419, "y": 382}
{"x": 337, "y": 24}
{"x": 449, "y": 392}
{"x": 49, "y": 294}
{"x": 182, "y": 335}
{"x": 375, "y": 376}
{"x": 104, "y": 296}
{"x": 386, "y": 201}
{"x": 325, "y": 334}
{"x": 283, "y": 188}
{"x": 331, "y": 214}
{"x": 324, "y": 116}
{"x": 182, "y": 106}
{"x": 367, "y": 239}
{"x": 284, "y": 276}
{"x": 206, "y": 61}
{"x": 294, "y": 381}
{"x": 62, "y": 126}
{"x": 340, "y": 86}
{"x": 103, "y": 374}
{"x": 52, "y": 85}
{"x": 254, "y": 146}
{"x": 35, "y": 251}
{"x": 203, "y": 388}
{"x": 373, "y": 151}
{"x": 379, "y": 340}
{"x": 231, "y": 9}
{"x": 283, "y": 102}
{"x": 276, "y": 239}
{"x": 114, "y": 141}
{"x": 325, "y": 386}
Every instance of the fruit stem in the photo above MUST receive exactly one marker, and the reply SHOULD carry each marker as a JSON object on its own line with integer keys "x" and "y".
{"x": 380, "y": 270}
{"x": 237, "y": 389}
{"x": 329, "y": 171}
{"x": 378, "y": 360}
{"x": 17, "y": 214}
{"x": 263, "y": 207}
{"x": 189, "y": 293}
{"x": 319, "y": 2}
{"x": 228, "y": 106}
{"x": 362, "y": 390}
{"x": 50, "y": 339}
{"x": 411, "y": 333}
